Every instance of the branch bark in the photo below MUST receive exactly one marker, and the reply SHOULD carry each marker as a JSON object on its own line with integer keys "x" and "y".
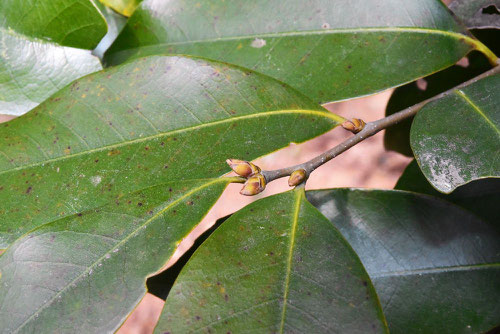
{"x": 369, "y": 130}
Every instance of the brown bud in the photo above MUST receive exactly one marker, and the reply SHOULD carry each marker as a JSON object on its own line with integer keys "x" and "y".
{"x": 297, "y": 177}
{"x": 242, "y": 168}
{"x": 355, "y": 125}
{"x": 254, "y": 185}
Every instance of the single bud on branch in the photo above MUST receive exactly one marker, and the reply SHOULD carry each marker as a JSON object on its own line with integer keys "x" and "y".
{"x": 243, "y": 168}
{"x": 254, "y": 185}
{"x": 297, "y": 177}
{"x": 355, "y": 125}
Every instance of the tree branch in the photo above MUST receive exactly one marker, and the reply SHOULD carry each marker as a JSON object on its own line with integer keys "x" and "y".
{"x": 369, "y": 130}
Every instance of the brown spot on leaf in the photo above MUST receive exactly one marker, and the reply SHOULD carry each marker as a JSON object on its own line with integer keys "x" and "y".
{"x": 113, "y": 152}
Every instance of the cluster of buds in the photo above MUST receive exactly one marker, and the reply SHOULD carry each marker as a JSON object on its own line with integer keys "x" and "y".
{"x": 255, "y": 183}
{"x": 355, "y": 125}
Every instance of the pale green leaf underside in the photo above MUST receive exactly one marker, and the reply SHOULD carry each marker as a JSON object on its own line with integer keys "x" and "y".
{"x": 32, "y": 70}
{"x": 276, "y": 266}
{"x": 435, "y": 266}
{"x": 38, "y": 54}
{"x": 329, "y": 50}
{"x": 152, "y": 121}
{"x": 457, "y": 138}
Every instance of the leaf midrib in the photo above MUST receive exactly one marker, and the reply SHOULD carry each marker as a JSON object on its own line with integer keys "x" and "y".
{"x": 437, "y": 270}
{"x": 121, "y": 242}
{"x": 452, "y": 34}
{"x": 299, "y": 193}
{"x": 478, "y": 110}
{"x": 325, "y": 114}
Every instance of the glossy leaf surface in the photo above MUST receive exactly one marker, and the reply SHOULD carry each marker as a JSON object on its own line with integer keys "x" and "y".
{"x": 456, "y": 139}
{"x": 436, "y": 267}
{"x": 155, "y": 120}
{"x": 88, "y": 270}
{"x": 39, "y": 55}
{"x": 329, "y": 50}
{"x": 480, "y": 197}
{"x": 397, "y": 137}
{"x": 277, "y": 265}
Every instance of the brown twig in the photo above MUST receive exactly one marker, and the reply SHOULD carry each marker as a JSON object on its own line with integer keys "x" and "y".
{"x": 369, "y": 130}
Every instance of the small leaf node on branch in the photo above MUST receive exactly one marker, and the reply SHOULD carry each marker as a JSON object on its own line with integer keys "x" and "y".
{"x": 257, "y": 179}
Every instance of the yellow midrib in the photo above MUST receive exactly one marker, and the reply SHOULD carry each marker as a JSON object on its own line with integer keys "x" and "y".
{"x": 299, "y": 193}
{"x": 476, "y": 44}
{"x": 325, "y": 114}
{"x": 477, "y": 109}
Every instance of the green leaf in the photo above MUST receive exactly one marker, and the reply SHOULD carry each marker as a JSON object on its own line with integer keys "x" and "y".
{"x": 37, "y": 57}
{"x": 480, "y": 197}
{"x": 435, "y": 267}
{"x": 124, "y": 7}
{"x": 161, "y": 284}
{"x": 456, "y": 139}
{"x": 397, "y": 137}
{"x": 477, "y": 14}
{"x": 275, "y": 266}
{"x": 326, "y": 49}
{"x": 88, "y": 271}
{"x": 151, "y": 121}
{"x": 75, "y": 23}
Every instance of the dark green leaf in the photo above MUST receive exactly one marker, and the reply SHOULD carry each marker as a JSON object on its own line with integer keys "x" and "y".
{"x": 456, "y": 139}
{"x": 327, "y": 49}
{"x": 436, "y": 267}
{"x": 36, "y": 54}
{"x": 478, "y": 13}
{"x": 88, "y": 271}
{"x": 480, "y": 197}
{"x": 277, "y": 265}
{"x": 155, "y": 120}
{"x": 397, "y": 137}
